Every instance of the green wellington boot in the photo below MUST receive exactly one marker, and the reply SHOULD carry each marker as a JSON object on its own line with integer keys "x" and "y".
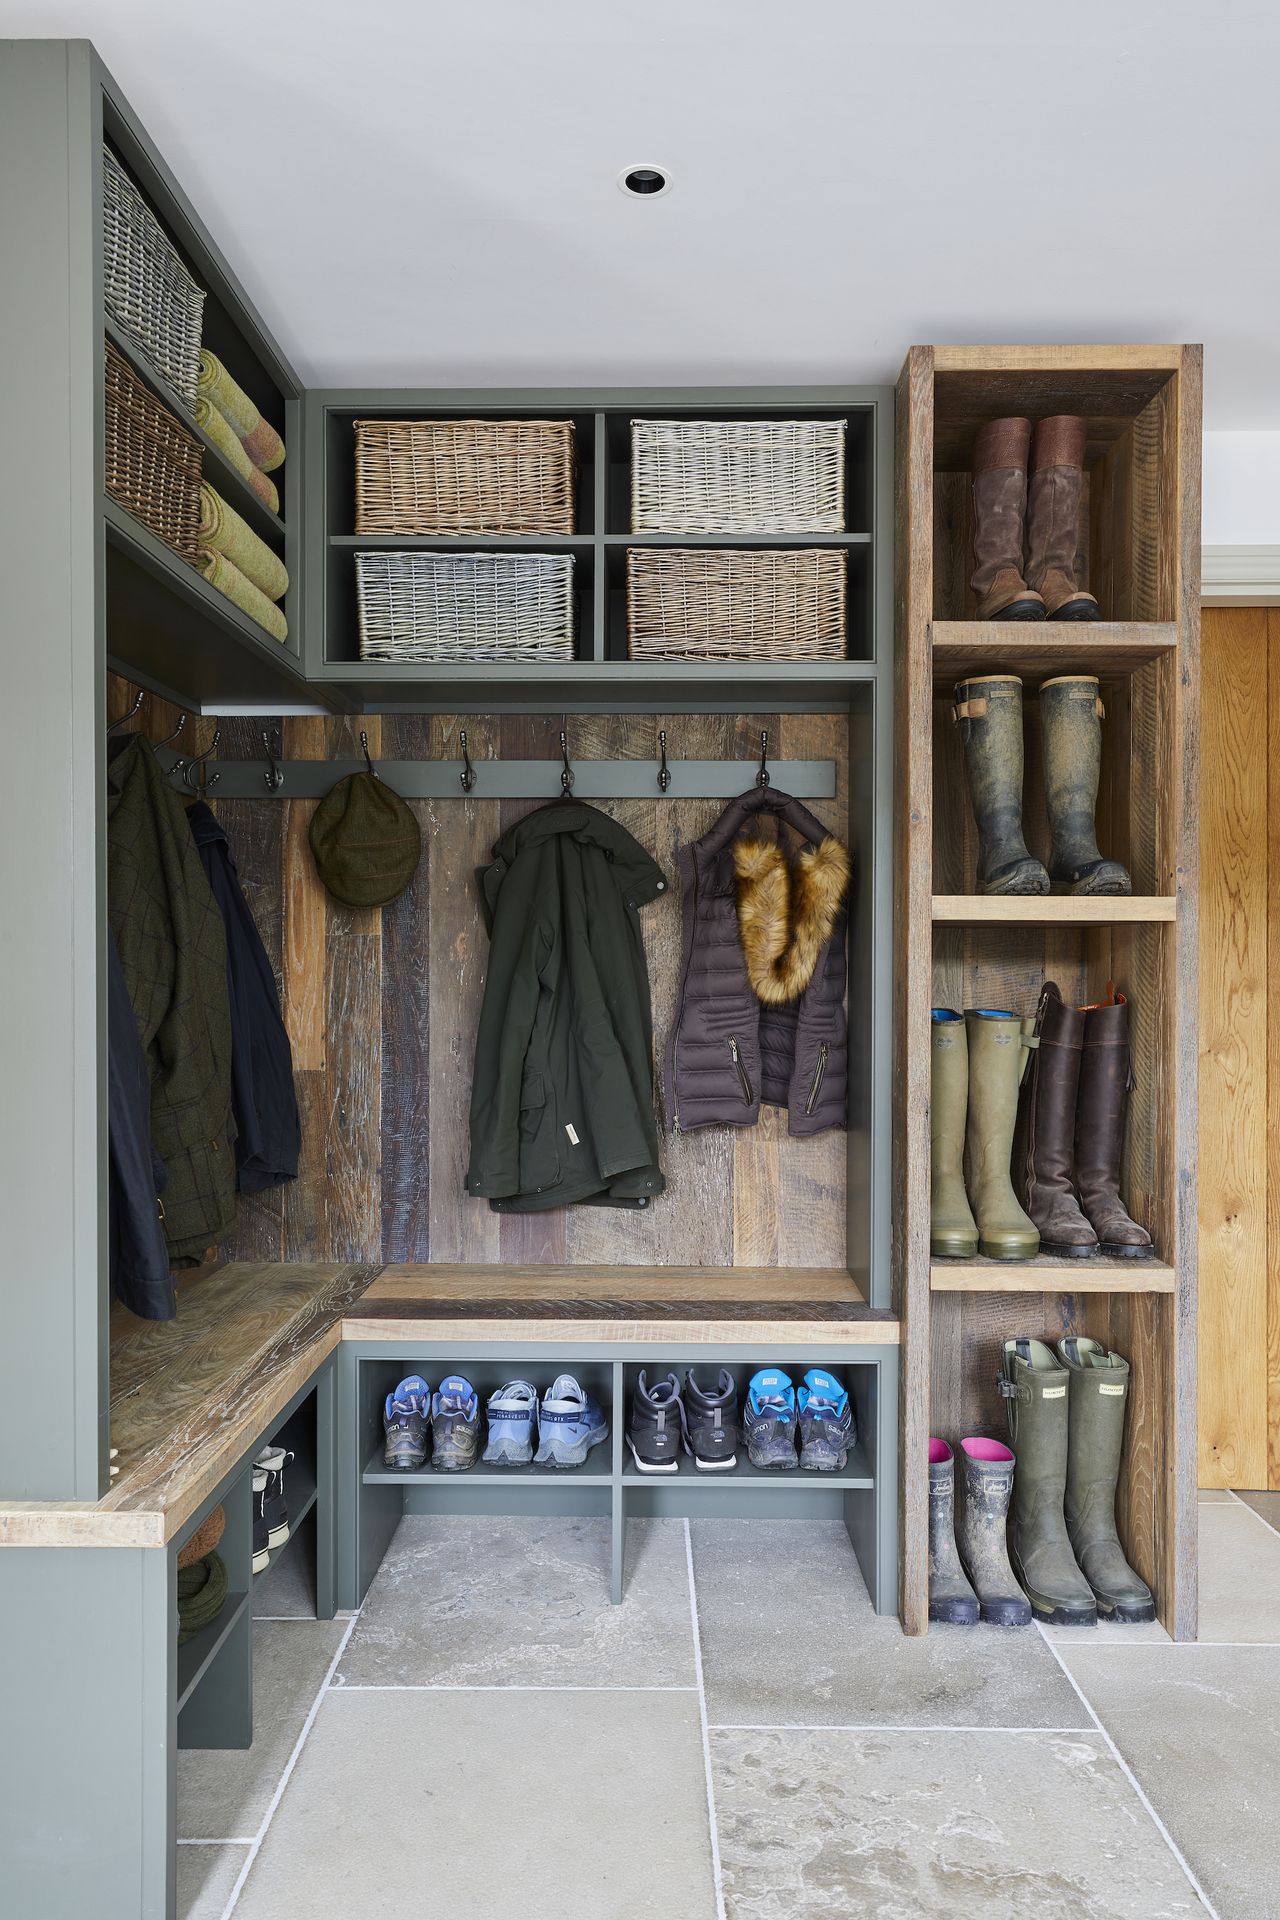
{"x": 952, "y": 1232}
{"x": 1098, "y": 1398}
{"x": 998, "y": 1043}
{"x": 1034, "y": 1386}
{"x": 988, "y": 712}
{"x": 1071, "y": 716}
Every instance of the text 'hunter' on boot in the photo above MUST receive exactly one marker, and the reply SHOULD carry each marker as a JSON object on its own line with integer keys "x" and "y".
{"x": 997, "y": 1054}
{"x": 988, "y": 1486}
{"x": 1000, "y": 453}
{"x": 953, "y": 1233}
{"x": 1106, "y": 1076}
{"x": 1054, "y": 494}
{"x": 1071, "y": 716}
{"x": 952, "y": 1601}
{"x": 1044, "y": 1147}
{"x": 988, "y": 712}
{"x": 1034, "y": 1385}
{"x": 1098, "y": 1398}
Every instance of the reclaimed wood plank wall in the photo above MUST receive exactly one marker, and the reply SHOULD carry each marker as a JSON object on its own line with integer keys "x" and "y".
{"x": 382, "y": 1009}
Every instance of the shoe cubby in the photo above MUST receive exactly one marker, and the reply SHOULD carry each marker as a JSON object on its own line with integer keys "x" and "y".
{"x": 1139, "y": 543}
{"x": 609, "y": 1484}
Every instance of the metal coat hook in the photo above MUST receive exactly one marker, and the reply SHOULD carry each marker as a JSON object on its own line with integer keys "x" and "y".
{"x": 195, "y": 773}
{"x": 468, "y": 774}
{"x": 170, "y": 738}
{"x": 566, "y": 775}
{"x": 271, "y": 746}
{"x": 762, "y": 777}
{"x": 664, "y": 771}
{"x": 364, "y": 748}
{"x": 126, "y": 717}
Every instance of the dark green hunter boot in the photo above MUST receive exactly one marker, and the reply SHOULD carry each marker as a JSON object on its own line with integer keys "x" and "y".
{"x": 988, "y": 712}
{"x": 998, "y": 1042}
{"x": 952, "y": 1232}
{"x": 1071, "y": 716}
{"x": 1034, "y": 1385}
{"x": 1098, "y": 1397}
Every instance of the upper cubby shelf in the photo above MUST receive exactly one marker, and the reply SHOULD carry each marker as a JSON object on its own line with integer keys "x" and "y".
{"x": 601, "y": 666}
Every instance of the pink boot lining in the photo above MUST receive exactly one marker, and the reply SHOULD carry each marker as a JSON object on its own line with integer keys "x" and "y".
{"x": 985, "y": 1450}
{"x": 938, "y": 1452}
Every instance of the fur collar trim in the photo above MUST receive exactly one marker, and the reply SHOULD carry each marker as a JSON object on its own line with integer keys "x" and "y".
{"x": 785, "y": 913}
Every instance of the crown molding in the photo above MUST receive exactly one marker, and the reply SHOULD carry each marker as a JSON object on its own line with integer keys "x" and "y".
{"x": 1240, "y": 576}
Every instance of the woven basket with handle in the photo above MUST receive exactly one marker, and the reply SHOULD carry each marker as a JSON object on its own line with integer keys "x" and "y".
{"x": 153, "y": 465}
{"x": 464, "y": 476}
{"x": 736, "y": 604}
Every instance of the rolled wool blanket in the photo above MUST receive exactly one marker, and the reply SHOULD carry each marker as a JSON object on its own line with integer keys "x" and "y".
{"x": 227, "y": 578}
{"x": 227, "y": 441}
{"x": 258, "y": 437}
{"x": 223, "y": 531}
{"x": 202, "y": 1594}
{"x": 203, "y": 1540}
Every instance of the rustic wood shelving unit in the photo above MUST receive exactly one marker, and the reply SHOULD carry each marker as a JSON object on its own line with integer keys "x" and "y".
{"x": 1140, "y": 534}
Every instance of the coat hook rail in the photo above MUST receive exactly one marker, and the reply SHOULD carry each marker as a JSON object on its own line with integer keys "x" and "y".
{"x": 521, "y": 779}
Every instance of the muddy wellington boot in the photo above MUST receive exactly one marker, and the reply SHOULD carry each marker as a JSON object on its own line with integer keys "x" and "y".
{"x": 1053, "y": 517}
{"x": 952, "y": 1601}
{"x": 988, "y": 1485}
{"x": 998, "y": 1050}
{"x": 1097, "y": 1400}
{"x": 1034, "y": 1385}
{"x": 988, "y": 712}
{"x": 999, "y": 510}
{"x": 1106, "y": 1076}
{"x": 952, "y": 1232}
{"x": 1044, "y": 1145}
{"x": 1071, "y": 716}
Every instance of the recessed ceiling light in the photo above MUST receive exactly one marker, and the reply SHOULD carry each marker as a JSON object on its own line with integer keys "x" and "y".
{"x": 646, "y": 183}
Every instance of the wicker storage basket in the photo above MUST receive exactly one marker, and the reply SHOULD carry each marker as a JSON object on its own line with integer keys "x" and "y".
{"x": 147, "y": 289}
{"x": 736, "y": 604}
{"x": 464, "y": 476}
{"x": 475, "y": 606}
{"x": 737, "y": 476}
{"x": 153, "y": 465}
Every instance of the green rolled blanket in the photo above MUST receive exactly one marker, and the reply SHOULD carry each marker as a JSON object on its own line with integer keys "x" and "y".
{"x": 202, "y": 1594}
{"x": 227, "y": 441}
{"x": 257, "y": 436}
{"x": 227, "y": 578}
{"x": 222, "y": 531}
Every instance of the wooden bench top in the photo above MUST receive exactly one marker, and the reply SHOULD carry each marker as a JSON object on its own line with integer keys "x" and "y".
{"x": 188, "y": 1396}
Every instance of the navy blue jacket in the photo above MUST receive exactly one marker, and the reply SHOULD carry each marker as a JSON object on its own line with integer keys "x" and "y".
{"x": 262, "y": 1092}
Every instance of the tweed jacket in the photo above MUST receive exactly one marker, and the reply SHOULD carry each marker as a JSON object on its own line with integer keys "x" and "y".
{"x": 173, "y": 954}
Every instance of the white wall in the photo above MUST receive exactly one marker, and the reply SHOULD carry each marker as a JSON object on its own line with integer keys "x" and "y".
{"x": 1241, "y": 519}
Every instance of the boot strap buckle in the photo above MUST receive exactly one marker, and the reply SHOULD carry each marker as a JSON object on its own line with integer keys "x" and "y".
{"x": 1006, "y": 1388}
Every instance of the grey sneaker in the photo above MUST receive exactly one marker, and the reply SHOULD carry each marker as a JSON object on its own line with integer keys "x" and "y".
{"x": 570, "y": 1423}
{"x": 711, "y": 1420}
{"x": 770, "y": 1423}
{"x": 513, "y": 1415}
{"x": 404, "y": 1420}
{"x": 455, "y": 1426}
{"x": 273, "y": 1461}
{"x": 656, "y": 1424}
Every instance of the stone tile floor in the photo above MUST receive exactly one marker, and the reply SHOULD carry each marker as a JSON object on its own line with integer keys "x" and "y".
{"x": 741, "y": 1740}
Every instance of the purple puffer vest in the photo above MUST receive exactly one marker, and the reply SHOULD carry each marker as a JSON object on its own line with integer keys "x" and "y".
{"x": 727, "y": 1053}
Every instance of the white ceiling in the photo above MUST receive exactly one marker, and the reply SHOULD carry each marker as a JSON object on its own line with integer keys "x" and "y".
{"x": 425, "y": 194}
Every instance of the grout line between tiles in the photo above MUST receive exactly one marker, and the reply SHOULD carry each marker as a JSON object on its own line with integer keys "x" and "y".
{"x": 1261, "y": 1518}
{"x": 870, "y": 1726}
{"x": 357, "y": 1686}
{"x": 713, "y": 1825}
{"x": 1131, "y": 1777}
{"x": 1163, "y": 1646}
{"x": 215, "y": 1843}
{"x": 256, "y": 1843}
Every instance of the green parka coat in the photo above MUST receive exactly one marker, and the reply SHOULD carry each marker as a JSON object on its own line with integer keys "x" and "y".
{"x": 562, "y": 1094}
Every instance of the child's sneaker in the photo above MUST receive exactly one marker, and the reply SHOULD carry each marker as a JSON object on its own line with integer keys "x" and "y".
{"x": 656, "y": 1424}
{"x": 770, "y": 1423}
{"x": 455, "y": 1425}
{"x": 826, "y": 1422}
{"x": 570, "y": 1422}
{"x": 404, "y": 1420}
{"x": 273, "y": 1461}
{"x": 711, "y": 1421}
{"x": 261, "y": 1529}
{"x": 513, "y": 1414}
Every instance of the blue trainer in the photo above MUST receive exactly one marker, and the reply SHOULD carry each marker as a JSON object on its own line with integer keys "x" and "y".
{"x": 455, "y": 1425}
{"x": 826, "y": 1422}
{"x": 404, "y": 1421}
{"x": 513, "y": 1415}
{"x": 570, "y": 1422}
{"x": 770, "y": 1422}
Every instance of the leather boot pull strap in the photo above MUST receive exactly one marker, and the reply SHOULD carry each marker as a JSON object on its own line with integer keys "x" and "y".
{"x": 969, "y": 709}
{"x": 1099, "y": 709}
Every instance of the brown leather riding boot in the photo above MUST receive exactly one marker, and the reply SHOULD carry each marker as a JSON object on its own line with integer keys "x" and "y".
{"x": 1106, "y": 1076}
{"x": 1044, "y": 1146}
{"x": 999, "y": 509}
{"x": 1053, "y": 519}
